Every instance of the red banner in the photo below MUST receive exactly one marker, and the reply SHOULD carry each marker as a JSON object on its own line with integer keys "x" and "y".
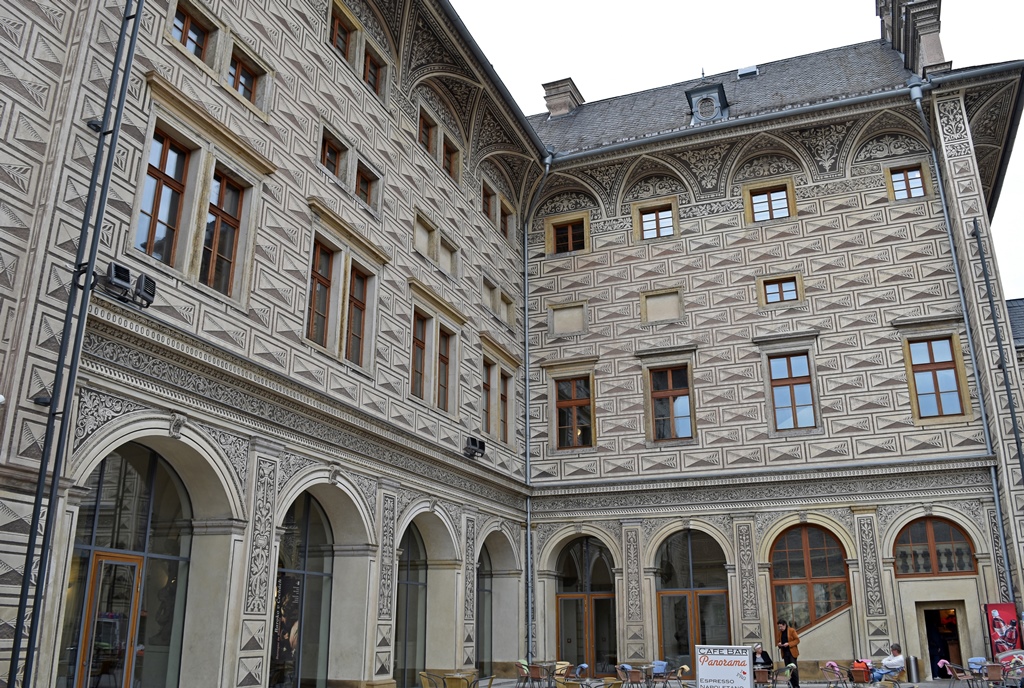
{"x": 1003, "y": 627}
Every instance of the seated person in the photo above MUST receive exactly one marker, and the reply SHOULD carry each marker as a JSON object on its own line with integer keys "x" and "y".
{"x": 891, "y": 665}
{"x": 762, "y": 660}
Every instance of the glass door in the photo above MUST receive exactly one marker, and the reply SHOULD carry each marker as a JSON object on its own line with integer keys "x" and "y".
{"x": 108, "y": 638}
{"x": 675, "y": 612}
{"x": 586, "y": 632}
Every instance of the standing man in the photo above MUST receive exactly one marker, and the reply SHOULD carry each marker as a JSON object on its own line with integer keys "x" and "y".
{"x": 788, "y": 641}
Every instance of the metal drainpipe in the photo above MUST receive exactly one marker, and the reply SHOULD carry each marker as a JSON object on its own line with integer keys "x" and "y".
{"x": 916, "y": 85}
{"x": 526, "y": 380}
{"x": 1006, "y": 382}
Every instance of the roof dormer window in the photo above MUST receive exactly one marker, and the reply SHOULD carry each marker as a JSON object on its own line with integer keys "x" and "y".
{"x": 708, "y": 103}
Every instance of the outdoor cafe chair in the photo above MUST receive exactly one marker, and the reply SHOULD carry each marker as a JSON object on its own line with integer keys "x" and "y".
{"x": 538, "y": 677}
{"x": 522, "y": 675}
{"x": 957, "y": 675}
{"x": 482, "y": 682}
{"x": 835, "y": 675}
{"x": 431, "y": 680}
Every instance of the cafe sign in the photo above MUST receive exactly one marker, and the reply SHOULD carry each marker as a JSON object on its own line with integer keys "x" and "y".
{"x": 724, "y": 666}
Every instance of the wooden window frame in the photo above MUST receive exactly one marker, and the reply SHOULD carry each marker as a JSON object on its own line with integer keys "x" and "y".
{"x": 656, "y": 212}
{"x": 221, "y": 218}
{"x": 187, "y": 22}
{"x": 339, "y": 25}
{"x": 330, "y": 146}
{"x": 239, "y": 68}
{"x": 809, "y": 580}
{"x": 568, "y": 235}
{"x": 373, "y": 72}
{"x": 366, "y": 185}
{"x": 755, "y": 190}
{"x": 316, "y": 278}
{"x": 671, "y": 393}
{"x": 450, "y": 160}
{"x": 485, "y": 392}
{"x": 933, "y": 555}
{"x": 574, "y": 403}
{"x": 427, "y": 130}
{"x": 444, "y": 354}
{"x": 418, "y": 366}
{"x": 902, "y": 175}
{"x": 356, "y": 315}
{"x": 164, "y": 181}
{"x": 933, "y": 367}
{"x": 504, "y": 218}
{"x": 487, "y": 198}
{"x": 780, "y": 283}
{"x": 770, "y": 212}
{"x": 503, "y": 406}
{"x": 791, "y": 382}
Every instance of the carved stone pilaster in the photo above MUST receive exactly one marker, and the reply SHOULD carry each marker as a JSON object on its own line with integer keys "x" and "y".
{"x": 747, "y": 571}
{"x": 257, "y": 587}
{"x": 874, "y": 602}
{"x": 469, "y": 604}
{"x": 385, "y": 588}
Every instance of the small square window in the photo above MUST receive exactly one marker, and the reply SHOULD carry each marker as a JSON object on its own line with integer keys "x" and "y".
{"x": 670, "y": 403}
{"x": 770, "y": 204}
{"x": 243, "y": 77}
{"x": 569, "y": 236}
{"x": 505, "y": 221}
{"x": 342, "y": 34}
{"x": 657, "y": 222}
{"x": 907, "y": 182}
{"x": 366, "y": 186}
{"x": 574, "y": 413}
{"x": 190, "y": 32}
{"x": 781, "y": 290}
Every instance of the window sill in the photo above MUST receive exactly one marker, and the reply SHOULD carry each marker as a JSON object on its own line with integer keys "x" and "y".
{"x": 568, "y": 254}
{"x": 800, "y": 304}
{"x": 795, "y": 432}
{"x": 569, "y": 452}
{"x": 675, "y": 442}
{"x": 961, "y": 419}
{"x": 425, "y": 405}
{"x": 255, "y": 109}
{"x": 177, "y": 45}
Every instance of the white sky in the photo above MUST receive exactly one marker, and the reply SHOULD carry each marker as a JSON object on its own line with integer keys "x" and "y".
{"x": 613, "y": 48}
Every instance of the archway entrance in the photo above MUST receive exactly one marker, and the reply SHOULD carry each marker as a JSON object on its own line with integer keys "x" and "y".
{"x": 585, "y": 601}
{"x": 693, "y": 600}
{"x": 125, "y": 601}
{"x": 484, "y": 613}
{"x": 411, "y": 611}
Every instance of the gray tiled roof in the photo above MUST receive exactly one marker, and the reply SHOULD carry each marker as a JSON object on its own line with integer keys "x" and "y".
{"x": 1015, "y": 307}
{"x": 819, "y": 77}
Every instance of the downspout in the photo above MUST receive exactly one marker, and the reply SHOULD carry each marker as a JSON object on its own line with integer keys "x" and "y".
{"x": 1006, "y": 383}
{"x": 916, "y": 86}
{"x": 526, "y": 381}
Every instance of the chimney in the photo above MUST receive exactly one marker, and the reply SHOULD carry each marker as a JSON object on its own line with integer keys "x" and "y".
{"x": 912, "y": 27}
{"x": 562, "y": 97}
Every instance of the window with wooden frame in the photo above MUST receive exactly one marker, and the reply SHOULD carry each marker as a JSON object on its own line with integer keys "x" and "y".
{"x": 358, "y": 288}
{"x": 574, "y": 413}
{"x": 487, "y": 202}
{"x": 223, "y": 225}
{"x": 162, "y": 199}
{"x": 782, "y": 289}
{"x": 190, "y": 32}
{"x": 342, "y": 34}
{"x": 933, "y": 547}
{"x": 809, "y": 577}
{"x": 569, "y": 236}
{"x": 485, "y": 397}
{"x": 450, "y": 160}
{"x": 770, "y": 204}
{"x": 670, "y": 403}
{"x": 907, "y": 182}
{"x": 366, "y": 185}
{"x": 792, "y": 395}
{"x": 503, "y": 407}
{"x": 332, "y": 155}
{"x": 373, "y": 72}
{"x": 427, "y": 132}
{"x": 657, "y": 222}
{"x": 420, "y": 323}
{"x": 318, "y": 312}
{"x": 936, "y": 384}
{"x": 444, "y": 352}
{"x": 243, "y": 77}
{"x": 505, "y": 220}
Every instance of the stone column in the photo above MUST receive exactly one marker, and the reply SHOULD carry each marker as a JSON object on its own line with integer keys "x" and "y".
{"x": 384, "y": 633}
{"x": 638, "y": 646}
{"x": 877, "y": 631}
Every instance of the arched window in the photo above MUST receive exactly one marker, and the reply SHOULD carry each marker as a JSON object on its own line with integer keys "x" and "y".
{"x": 933, "y": 547}
{"x": 484, "y": 613}
{"x": 809, "y": 576}
{"x": 125, "y": 603}
{"x": 411, "y": 610}
{"x": 298, "y": 655}
{"x": 585, "y": 602}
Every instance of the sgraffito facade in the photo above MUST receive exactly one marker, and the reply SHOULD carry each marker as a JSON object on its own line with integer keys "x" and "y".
{"x": 430, "y": 385}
